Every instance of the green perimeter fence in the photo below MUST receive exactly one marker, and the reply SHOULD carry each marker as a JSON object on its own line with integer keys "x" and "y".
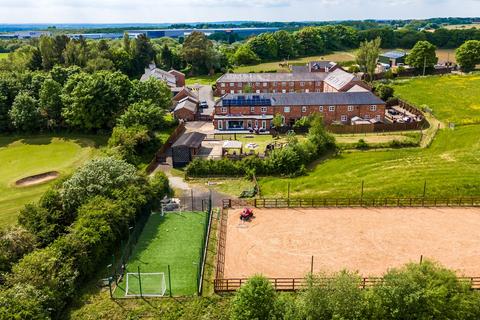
{"x": 145, "y": 284}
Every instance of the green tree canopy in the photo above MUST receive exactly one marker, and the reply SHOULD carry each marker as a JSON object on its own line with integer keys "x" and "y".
{"x": 254, "y": 300}
{"x": 423, "y": 55}
{"x": 244, "y": 55}
{"x": 153, "y": 90}
{"x": 468, "y": 55}
{"x": 144, "y": 113}
{"x": 367, "y": 56}
{"x": 25, "y": 114}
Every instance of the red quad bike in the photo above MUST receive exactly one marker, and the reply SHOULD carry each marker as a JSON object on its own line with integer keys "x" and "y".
{"x": 246, "y": 214}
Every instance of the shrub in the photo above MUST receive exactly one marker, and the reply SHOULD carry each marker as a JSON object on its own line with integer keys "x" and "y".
{"x": 361, "y": 145}
{"x": 130, "y": 143}
{"x": 15, "y": 242}
{"x": 254, "y": 300}
{"x": 384, "y": 91}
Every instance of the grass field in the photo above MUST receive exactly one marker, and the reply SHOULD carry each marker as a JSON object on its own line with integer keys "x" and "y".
{"x": 174, "y": 240}
{"x": 462, "y": 26}
{"x": 22, "y": 156}
{"x": 206, "y": 80}
{"x": 453, "y": 98}
{"x": 3, "y": 55}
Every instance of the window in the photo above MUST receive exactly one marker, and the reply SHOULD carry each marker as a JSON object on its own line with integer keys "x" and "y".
{"x": 263, "y": 109}
{"x": 373, "y": 108}
{"x": 291, "y": 84}
{"x": 306, "y": 90}
{"x": 252, "y": 109}
{"x": 378, "y": 117}
{"x": 257, "y": 91}
{"x": 318, "y": 90}
{"x": 274, "y": 83}
{"x": 284, "y": 83}
{"x": 220, "y": 124}
{"x": 292, "y": 90}
{"x": 257, "y": 84}
{"x": 367, "y": 117}
{"x": 240, "y": 91}
{"x": 223, "y": 91}
{"x": 232, "y": 91}
{"x": 284, "y": 91}
{"x": 264, "y": 124}
{"x": 274, "y": 91}
{"x": 320, "y": 108}
{"x": 249, "y": 124}
{"x": 256, "y": 123}
{"x": 302, "y": 84}
{"x": 232, "y": 84}
{"x": 343, "y": 118}
{"x": 265, "y": 84}
{"x": 222, "y": 85}
{"x": 331, "y": 108}
{"x": 224, "y": 110}
{"x": 304, "y": 109}
{"x": 350, "y": 108}
{"x": 318, "y": 83}
{"x": 286, "y": 109}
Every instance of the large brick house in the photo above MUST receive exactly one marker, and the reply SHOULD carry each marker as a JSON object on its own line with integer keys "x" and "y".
{"x": 174, "y": 79}
{"x": 237, "y": 112}
{"x": 300, "y": 82}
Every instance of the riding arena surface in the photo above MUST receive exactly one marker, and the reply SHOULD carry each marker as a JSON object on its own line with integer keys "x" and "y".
{"x": 280, "y": 242}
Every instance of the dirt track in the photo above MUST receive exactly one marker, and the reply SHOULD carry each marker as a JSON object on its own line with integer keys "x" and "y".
{"x": 281, "y": 242}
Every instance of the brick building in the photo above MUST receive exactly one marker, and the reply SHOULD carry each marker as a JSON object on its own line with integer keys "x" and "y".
{"x": 237, "y": 112}
{"x": 174, "y": 79}
{"x": 300, "y": 82}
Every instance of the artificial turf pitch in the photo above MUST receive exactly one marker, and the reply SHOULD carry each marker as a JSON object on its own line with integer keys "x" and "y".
{"x": 175, "y": 240}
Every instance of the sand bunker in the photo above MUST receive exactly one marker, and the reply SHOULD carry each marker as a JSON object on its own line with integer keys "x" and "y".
{"x": 37, "y": 179}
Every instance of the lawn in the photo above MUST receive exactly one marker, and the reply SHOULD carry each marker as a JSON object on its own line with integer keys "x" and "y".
{"x": 3, "y": 55}
{"x": 22, "y": 156}
{"x": 453, "y": 98}
{"x": 451, "y": 166}
{"x": 206, "y": 80}
{"x": 174, "y": 239}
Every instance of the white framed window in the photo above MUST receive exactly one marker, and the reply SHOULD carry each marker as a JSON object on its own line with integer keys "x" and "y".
{"x": 291, "y": 84}
{"x": 367, "y": 117}
{"x": 224, "y": 110}
{"x": 240, "y": 91}
{"x": 350, "y": 108}
{"x": 265, "y": 84}
{"x": 292, "y": 90}
{"x": 320, "y": 108}
{"x": 232, "y": 84}
{"x": 256, "y": 123}
{"x": 274, "y": 91}
{"x": 223, "y": 91}
{"x": 286, "y": 109}
{"x": 284, "y": 91}
{"x": 331, "y": 108}
{"x": 222, "y": 84}
{"x": 252, "y": 109}
{"x": 318, "y": 83}
{"x": 302, "y": 84}
{"x": 307, "y": 90}
{"x": 343, "y": 118}
{"x": 264, "y": 124}
{"x": 220, "y": 124}
{"x": 257, "y": 91}
{"x": 373, "y": 108}
{"x": 318, "y": 90}
{"x": 232, "y": 91}
{"x": 263, "y": 109}
{"x": 274, "y": 83}
{"x": 378, "y": 117}
{"x": 257, "y": 84}
{"x": 284, "y": 84}
{"x": 304, "y": 109}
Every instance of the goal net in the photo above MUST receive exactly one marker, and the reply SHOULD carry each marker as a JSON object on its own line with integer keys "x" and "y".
{"x": 145, "y": 284}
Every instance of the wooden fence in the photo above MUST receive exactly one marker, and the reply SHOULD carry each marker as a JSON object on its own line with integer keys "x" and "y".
{"x": 160, "y": 154}
{"x": 295, "y": 284}
{"x": 352, "y": 202}
{"x": 221, "y": 245}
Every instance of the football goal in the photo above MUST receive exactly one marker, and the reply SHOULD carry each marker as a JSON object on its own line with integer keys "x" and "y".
{"x": 145, "y": 284}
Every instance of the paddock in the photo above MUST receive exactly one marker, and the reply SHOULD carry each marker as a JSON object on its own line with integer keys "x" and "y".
{"x": 280, "y": 242}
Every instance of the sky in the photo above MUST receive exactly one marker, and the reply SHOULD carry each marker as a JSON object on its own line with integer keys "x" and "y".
{"x": 171, "y": 11}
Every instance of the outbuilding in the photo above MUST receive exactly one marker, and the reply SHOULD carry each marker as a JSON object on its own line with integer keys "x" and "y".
{"x": 186, "y": 147}
{"x": 392, "y": 58}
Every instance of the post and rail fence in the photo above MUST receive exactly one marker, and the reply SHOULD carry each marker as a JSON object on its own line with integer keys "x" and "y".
{"x": 352, "y": 202}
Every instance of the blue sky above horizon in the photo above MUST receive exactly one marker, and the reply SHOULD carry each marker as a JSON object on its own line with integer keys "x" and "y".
{"x": 168, "y": 11}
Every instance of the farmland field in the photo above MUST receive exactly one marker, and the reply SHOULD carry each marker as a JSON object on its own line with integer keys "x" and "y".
{"x": 25, "y": 156}
{"x": 451, "y": 165}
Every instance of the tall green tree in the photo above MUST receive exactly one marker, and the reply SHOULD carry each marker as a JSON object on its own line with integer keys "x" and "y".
{"x": 254, "y": 300}
{"x": 50, "y": 102}
{"x": 286, "y": 44}
{"x": 468, "y": 55}
{"x": 144, "y": 113}
{"x": 152, "y": 90}
{"x": 367, "y": 56}
{"x": 422, "y": 56}
{"x": 310, "y": 41}
{"x": 244, "y": 55}
{"x": 265, "y": 46}
{"x": 25, "y": 114}
{"x": 142, "y": 53}
{"x": 196, "y": 50}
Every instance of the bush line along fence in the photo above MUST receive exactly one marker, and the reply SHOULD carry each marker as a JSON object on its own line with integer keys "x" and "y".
{"x": 118, "y": 266}
{"x": 352, "y": 202}
{"x": 223, "y": 285}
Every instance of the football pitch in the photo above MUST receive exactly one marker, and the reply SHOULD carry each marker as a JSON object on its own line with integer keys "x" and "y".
{"x": 175, "y": 240}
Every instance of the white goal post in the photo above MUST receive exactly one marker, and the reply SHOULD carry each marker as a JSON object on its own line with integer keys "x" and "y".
{"x": 145, "y": 284}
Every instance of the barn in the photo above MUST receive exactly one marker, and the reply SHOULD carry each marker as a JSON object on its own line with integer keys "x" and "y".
{"x": 186, "y": 147}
